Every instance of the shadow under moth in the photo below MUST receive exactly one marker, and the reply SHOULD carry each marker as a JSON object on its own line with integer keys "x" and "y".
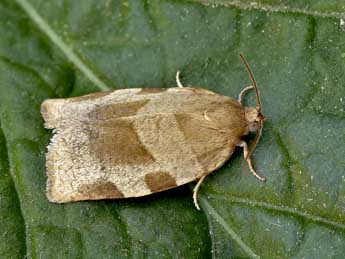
{"x": 134, "y": 142}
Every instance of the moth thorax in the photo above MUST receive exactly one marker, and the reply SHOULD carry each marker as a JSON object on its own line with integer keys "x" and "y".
{"x": 252, "y": 118}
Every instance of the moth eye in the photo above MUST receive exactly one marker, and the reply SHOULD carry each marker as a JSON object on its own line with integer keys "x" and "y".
{"x": 253, "y": 126}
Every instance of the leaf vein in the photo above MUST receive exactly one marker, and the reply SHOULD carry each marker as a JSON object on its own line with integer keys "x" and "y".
{"x": 285, "y": 209}
{"x": 212, "y": 212}
{"x": 270, "y": 8}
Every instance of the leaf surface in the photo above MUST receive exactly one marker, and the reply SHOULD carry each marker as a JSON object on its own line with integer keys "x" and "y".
{"x": 51, "y": 49}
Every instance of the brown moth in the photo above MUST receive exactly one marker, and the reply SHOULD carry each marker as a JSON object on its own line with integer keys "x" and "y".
{"x": 134, "y": 142}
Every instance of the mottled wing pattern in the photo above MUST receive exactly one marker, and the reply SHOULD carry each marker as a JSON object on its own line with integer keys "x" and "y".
{"x": 119, "y": 145}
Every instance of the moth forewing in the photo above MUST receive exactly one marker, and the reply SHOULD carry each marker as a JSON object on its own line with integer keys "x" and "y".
{"x": 134, "y": 142}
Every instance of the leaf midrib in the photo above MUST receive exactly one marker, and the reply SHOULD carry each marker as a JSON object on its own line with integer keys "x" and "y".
{"x": 56, "y": 40}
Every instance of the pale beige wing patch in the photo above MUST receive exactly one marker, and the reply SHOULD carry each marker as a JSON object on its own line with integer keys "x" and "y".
{"x": 59, "y": 112}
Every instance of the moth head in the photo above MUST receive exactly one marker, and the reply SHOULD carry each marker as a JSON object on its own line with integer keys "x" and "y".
{"x": 254, "y": 116}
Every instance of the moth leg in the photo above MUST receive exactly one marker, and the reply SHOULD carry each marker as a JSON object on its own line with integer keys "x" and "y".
{"x": 249, "y": 161}
{"x": 243, "y": 92}
{"x": 178, "y": 82}
{"x": 195, "y": 191}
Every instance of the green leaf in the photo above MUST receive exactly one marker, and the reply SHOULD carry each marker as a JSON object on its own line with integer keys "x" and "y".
{"x": 51, "y": 49}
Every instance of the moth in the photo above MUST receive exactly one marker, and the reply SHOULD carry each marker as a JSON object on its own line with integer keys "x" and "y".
{"x": 134, "y": 142}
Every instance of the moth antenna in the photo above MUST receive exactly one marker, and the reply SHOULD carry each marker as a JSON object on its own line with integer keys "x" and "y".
{"x": 258, "y": 104}
{"x": 252, "y": 78}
